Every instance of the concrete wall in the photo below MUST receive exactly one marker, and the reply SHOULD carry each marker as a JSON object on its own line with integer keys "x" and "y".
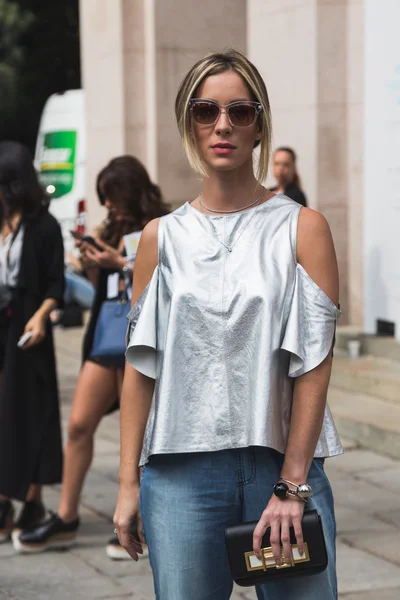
{"x": 282, "y": 43}
{"x": 310, "y": 53}
{"x": 134, "y": 55}
{"x": 103, "y": 82}
{"x": 311, "y": 56}
{"x": 382, "y": 165}
{"x": 331, "y": 151}
{"x": 355, "y": 159}
{"x": 186, "y": 30}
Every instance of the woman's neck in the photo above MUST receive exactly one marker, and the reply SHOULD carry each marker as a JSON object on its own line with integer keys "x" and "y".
{"x": 229, "y": 193}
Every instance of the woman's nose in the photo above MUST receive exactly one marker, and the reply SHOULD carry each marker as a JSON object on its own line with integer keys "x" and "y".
{"x": 223, "y": 124}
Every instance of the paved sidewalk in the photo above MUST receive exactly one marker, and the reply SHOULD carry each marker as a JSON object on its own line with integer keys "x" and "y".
{"x": 367, "y": 491}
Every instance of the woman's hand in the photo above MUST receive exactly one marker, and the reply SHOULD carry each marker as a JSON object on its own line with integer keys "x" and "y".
{"x": 279, "y": 515}
{"x": 126, "y": 513}
{"x": 37, "y": 325}
{"x": 107, "y": 258}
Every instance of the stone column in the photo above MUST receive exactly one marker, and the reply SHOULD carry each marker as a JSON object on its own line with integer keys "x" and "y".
{"x": 134, "y": 55}
{"x": 186, "y": 30}
{"x": 311, "y": 58}
{"x": 355, "y": 159}
{"x": 332, "y": 143}
{"x": 103, "y": 81}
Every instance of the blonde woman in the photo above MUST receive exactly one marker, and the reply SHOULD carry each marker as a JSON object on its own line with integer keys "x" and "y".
{"x": 232, "y": 327}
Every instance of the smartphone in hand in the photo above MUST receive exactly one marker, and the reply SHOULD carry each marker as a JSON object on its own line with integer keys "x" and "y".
{"x": 24, "y": 339}
{"x": 86, "y": 238}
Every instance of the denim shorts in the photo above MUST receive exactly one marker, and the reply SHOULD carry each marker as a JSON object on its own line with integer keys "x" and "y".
{"x": 187, "y": 501}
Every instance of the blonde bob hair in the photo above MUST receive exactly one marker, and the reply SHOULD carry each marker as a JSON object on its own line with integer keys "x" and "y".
{"x": 212, "y": 64}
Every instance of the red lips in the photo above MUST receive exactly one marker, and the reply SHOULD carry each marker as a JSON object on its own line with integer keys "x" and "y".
{"x": 223, "y": 145}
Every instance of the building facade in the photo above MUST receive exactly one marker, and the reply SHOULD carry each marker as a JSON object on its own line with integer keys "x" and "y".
{"x": 319, "y": 63}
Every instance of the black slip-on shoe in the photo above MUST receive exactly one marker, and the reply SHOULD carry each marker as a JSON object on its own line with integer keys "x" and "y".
{"x": 32, "y": 514}
{"x": 53, "y": 533}
{"x": 6, "y": 520}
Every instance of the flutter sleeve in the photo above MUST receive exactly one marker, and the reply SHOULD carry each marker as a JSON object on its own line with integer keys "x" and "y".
{"x": 141, "y": 351}
{"x": 310, "y": 326}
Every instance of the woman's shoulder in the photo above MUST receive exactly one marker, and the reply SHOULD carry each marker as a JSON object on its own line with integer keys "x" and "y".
{"x": 148, "y": 244}
{"x": 312, "y": 224}
{"x": 316, "y": 251}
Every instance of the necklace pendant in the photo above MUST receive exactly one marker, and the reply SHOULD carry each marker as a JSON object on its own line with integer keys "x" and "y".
{"x": 229, "y": 249}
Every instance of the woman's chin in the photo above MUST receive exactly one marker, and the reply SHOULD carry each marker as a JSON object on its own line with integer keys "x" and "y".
{"x": 221, "y": 164}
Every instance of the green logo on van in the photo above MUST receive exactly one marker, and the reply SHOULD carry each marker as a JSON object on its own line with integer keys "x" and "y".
{"x": 57, "y": 162}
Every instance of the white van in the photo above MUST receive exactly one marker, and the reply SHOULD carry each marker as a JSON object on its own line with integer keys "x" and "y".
{"x": 60, "y": 159}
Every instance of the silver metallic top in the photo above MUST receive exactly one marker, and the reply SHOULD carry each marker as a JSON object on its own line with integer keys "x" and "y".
{"x": 227, "y": 320}
{"x": 10, "y": 258}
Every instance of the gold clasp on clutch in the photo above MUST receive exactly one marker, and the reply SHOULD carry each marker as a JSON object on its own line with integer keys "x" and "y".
{"x": 268, "y": 562}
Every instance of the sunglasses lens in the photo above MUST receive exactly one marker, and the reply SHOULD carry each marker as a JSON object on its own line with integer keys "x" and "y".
{"x": 242, "y": 115}
{"x": 205, "y": 113}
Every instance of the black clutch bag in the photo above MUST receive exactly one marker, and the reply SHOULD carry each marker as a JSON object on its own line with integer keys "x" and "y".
{"x": 248, "y": 570}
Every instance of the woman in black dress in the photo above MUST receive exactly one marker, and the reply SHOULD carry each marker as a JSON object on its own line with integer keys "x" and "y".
{"x": 31, "y": 286}
{"x": 132, "y": 200}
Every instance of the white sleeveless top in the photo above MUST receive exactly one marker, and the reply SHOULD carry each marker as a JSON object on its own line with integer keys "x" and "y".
{"x": 10, "y": 258}
{"x": 227, "y": 321}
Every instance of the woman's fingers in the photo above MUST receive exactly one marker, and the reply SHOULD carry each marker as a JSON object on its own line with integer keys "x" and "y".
{"x": 275, "y": 540}
{"x": 91, "y": 252}
{"x": 127, "y": 541}
{"x": 285, "y": 539}
{"x": 298, "y": 531}
{"x": 140, "y": 530}
{"x": 259, "y": 531}
{"x": 103, "y": 245}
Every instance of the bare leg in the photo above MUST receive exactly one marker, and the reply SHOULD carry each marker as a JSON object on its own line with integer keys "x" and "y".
{"x": 34, "y": 493}
{"x": 95, "y": 393}
{"x": 120, "y": 379}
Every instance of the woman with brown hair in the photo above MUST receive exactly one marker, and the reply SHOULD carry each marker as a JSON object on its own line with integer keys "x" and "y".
{"x": 132, "y": 200}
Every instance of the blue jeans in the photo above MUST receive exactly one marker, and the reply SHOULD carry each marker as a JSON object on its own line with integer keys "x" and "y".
{"x": 187, "y": 501}
{"x": 78, "y": 289}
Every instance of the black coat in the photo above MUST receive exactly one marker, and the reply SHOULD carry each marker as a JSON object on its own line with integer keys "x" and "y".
{"x": 30, "y": 433}
{"x": 295, "y": 193}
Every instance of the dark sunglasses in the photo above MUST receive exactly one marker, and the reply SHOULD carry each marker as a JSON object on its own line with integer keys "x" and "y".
{"x": 241, "y": 113}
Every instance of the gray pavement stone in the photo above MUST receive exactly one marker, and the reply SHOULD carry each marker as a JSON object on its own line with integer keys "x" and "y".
{"x": 348, "y": 444}
{"x": 106, "y": 446}
{"x": 358, "y": 460}
{"x": 359, "y": 571}
{"x": 352, "y": 520}
{"x": 384, "y": 545}
{"x": 388, "y": 479}
{"x": 101, "y": 493}
{"x": 108, "y": 465}
{"x": 58, "y": 576}
{"x": 392, "y": 517}
{"x": 361, "y": 495}
{"x": 393, "y": 594}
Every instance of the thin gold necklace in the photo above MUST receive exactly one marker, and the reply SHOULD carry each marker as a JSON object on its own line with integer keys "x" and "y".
{"x": 230, "y": 248}
{"x": 228, "y": 212}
